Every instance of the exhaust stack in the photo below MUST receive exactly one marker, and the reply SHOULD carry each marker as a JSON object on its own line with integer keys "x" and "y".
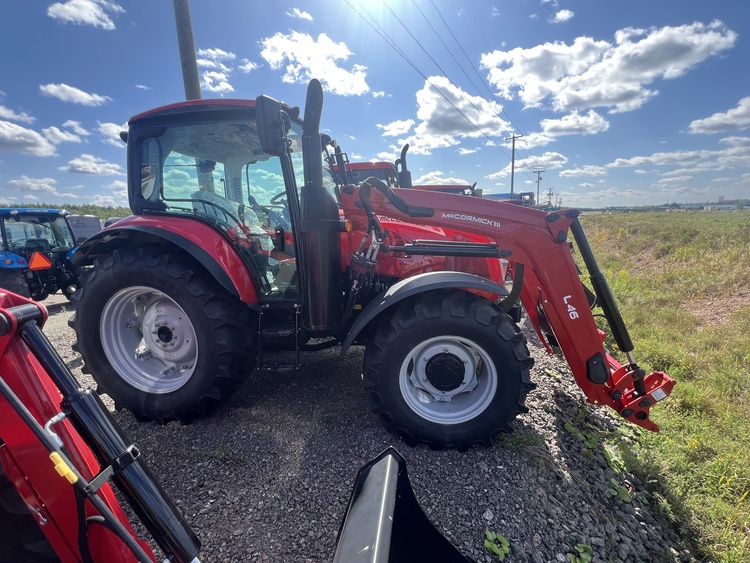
{"x": 320, "y": 227}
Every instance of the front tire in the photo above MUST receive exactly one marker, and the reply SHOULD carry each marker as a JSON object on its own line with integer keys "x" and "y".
{"x": 448, "y": 369}
{"x": 160, "y": 336}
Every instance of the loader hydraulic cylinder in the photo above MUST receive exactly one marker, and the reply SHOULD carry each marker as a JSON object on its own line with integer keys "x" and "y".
{"x": 110, "y": 444}
{"x": 603, "y": 292}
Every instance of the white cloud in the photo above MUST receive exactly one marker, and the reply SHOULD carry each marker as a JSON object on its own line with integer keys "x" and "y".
{"x": 142, "y": 87}
{"x": 111, "y": 133}
{"x": 676, "y": 180}
{"x": 27, "y": 184}
{"x": 10, "y": 115}
{"x": 92, "y": 165}
{"x": 297, "y": 13}
{"x": 462, "y": 151}
{"x": 546, "y": 161}
{"x": 575, "y": 123}
{"x": 303, "y": 57}
{"x": 73, "y": 95}
{"x": 57, "y": 136}
{"x": 733, "y": 120}
{"x": 394, "y": 128}
{"x": 214, "y": 81}
{"x": 248, "y": 66}
{"x": 614, "y": 75}
{"x": 436, "y": 178}
{"x": 562, "y": 16}
{"x": 447, "y": 114}
{"x": 688, "y": 163}
{"x": 588, "y": 170}
{"x": 14, "y": 138}
{"x": 217, "y": 63}
{"x": 214, "y": 58}
{"x": 76, "y": 127}
{"x": 86, "y": 12}
{"x": 659, "y": 159}
{"x": 117, "y": 196}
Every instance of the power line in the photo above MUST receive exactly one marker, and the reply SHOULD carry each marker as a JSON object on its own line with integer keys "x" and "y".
{"x": 392, "y": 43}
{"x": 379, "y": 30}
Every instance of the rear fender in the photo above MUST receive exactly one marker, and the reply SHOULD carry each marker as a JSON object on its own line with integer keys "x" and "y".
{"x": 412, "y": 286}
{"x": 198, "y": 240}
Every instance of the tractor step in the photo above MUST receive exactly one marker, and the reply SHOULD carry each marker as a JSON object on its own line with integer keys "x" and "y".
{"x": 278, "y": 332}
{"x": 278, "y": 367}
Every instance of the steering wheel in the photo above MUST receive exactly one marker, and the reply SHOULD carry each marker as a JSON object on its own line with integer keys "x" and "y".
{"x": 279, "y": 199}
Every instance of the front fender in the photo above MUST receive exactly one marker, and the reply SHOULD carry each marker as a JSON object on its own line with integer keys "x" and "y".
{"x": 413, "y": 285}
{"x": 199, "y": 241}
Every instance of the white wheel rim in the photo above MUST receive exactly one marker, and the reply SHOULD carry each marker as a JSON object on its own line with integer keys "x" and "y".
{"x": 148, "y": 339}
{"x": 467, "y": 400}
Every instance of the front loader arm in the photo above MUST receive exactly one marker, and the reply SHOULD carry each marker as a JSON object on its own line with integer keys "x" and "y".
{"x": 553, "y": 293}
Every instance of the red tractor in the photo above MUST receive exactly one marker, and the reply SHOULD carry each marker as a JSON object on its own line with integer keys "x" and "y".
{"x": 395, "y": 175}
{"x": 238, "y": 244}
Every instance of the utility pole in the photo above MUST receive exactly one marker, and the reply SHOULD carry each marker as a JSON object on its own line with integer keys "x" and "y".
{"x": 187, "y": 49}
{"x": 538, "y": 179}
{"x": 512, "y": 138}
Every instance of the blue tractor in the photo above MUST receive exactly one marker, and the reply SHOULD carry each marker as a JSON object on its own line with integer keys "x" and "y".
{"x": 37, "y": 245}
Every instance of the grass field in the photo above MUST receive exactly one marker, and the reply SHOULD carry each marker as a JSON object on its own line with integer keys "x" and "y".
{"x": 682, "y": 280}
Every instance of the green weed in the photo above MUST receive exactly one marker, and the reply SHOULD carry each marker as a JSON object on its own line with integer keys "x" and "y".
{"x": 584, "y": 554}
{"x": 496, "y": 544}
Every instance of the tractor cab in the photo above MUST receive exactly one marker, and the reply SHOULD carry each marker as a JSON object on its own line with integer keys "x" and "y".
{"x": 37, "y": 245}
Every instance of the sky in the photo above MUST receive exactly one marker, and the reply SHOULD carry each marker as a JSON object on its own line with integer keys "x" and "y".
{"x": 607, "y": 103}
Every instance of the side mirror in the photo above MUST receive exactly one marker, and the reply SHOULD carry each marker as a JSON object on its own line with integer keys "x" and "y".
{"x": 273, "y": 125}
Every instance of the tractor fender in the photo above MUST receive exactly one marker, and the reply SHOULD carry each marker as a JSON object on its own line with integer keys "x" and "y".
{"x": 224, "y": 264}
{"x": 414, "y": 285}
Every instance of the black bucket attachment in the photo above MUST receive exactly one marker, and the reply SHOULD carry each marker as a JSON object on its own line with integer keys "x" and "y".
{"x": 384, "y": 522}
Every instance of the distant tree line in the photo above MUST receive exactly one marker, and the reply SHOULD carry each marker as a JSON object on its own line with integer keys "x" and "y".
{"x": 103, "y": 212}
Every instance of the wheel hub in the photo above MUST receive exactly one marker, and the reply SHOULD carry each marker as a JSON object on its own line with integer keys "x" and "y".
{"x": 448, "y": 379}
{"x": 446, "y": 372}
{"x": 167, "y": 334}
{"x": 444, "y": 369}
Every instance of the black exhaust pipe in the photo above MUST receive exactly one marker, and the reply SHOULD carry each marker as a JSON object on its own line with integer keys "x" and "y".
{"x": 404, "y": 174}
{"x": 320, "y": 228}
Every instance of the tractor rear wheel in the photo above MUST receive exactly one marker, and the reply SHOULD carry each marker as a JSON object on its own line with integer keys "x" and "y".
{"x": 160, "y": 336}
{"x": 15, "y": 282}
{"x": 447, "y": 369}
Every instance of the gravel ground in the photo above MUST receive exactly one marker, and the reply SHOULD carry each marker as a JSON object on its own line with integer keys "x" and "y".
{"x": 269, "y": 476}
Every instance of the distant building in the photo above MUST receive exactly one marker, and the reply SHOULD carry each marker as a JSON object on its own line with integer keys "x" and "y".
{"x": 720, "y": 207}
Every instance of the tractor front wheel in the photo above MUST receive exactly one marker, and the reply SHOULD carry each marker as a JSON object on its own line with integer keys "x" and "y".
{"x": 160, "y": 336}
{"x": 448, "y": 369}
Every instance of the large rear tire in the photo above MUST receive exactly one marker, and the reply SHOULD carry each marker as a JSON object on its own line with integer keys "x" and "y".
{"x": 160, "y": 336}
{"x": 448, "y": 369}
{"x": 15, "y": 282}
